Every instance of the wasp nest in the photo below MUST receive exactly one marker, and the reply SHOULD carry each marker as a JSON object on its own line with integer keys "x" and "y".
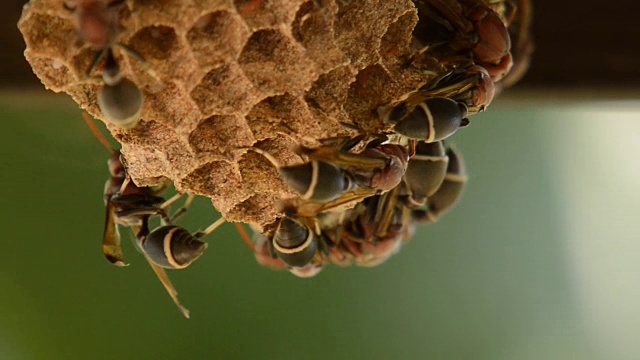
{"x": 221, "y": 75}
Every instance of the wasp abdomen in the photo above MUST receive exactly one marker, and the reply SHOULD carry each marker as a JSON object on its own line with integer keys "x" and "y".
{"x": 432, "y": 120}
{"x": 172, "y": 247}
{"x": 294, "y": 243}
{"x": 426, "y": 170}
{"x": 448, "y": 193}
{"x": 318, "y": 181}
{"x": 121, "y": 103}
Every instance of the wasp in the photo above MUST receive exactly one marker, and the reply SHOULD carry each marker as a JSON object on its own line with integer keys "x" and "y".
{"x": 421, "y": 117}
{"x": 165, "y": 247}
{"x": 522, "y": 43}
{"x": 378, "y": 166}
{"x": 310, "y": 260}
{"x": 426, "y": 171}
{"x": 371, "y": 232}
{"x": 448, "y": 193}
{"x": 466, "y": 83}
{"x": 469, "y": 27}
{"x": 97, "y": 24}
{"x": 439, "y": 108}
{"x": 334, "y": 179}
{"x": 336, "y": 176}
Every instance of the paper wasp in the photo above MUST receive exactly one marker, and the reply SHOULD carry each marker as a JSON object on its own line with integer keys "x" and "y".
{"x": 448, "y": 193}
{"x": 97, "y": 24}
{"x": 165, "y": 247}
{"x": 468, "y": 27}
{"x": 334, "y": 178}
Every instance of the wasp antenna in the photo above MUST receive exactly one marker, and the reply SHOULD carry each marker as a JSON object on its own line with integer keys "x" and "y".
{"x": 245, "y": 237}
{"x": 97, "y": 132}
{"x": 268, "y": 156}
{"x": 146, "y": 67}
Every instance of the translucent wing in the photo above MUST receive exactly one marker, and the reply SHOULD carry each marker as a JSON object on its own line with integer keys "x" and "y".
{"x": 111, "y": 239}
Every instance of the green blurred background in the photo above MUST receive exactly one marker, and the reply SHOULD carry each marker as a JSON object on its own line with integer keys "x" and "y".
{"x": 538, "y": 260}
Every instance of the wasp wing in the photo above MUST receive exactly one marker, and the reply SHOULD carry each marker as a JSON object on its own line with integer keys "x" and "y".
{"x": 111, "y": 238}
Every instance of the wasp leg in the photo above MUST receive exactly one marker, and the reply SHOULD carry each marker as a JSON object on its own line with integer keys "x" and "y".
{"x": 245, "y": 237}
{"x": 166, "y": 282}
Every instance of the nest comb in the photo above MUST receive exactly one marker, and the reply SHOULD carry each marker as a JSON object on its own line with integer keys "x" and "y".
{"x": 231, "y": 74}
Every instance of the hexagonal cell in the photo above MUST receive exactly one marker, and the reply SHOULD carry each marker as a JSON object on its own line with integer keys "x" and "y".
{"x": 330, "y": 90}
{"x": 82, "y": 60}
{"x": 283, "y": 148}
{"x": 145, "y": 165}
{"x": 359, "y": 35}
{"x": 172, "y": 105}
{"x": 161, "y": 11}
{"x": 253, "y": 210}
{"x": 217, "y": 38}
{"x": 255, "y": 169}
{"x": 261, "y": 14}
{"x": 397, "y": 40}
{"x": 155, "y": 42}
{"x": 280, "y": 114}
{"x": 148, "y": 134}
{"x": 48, "y": 36}
{"x": 165, "y": 52}
{"x": 218, "y": 180}
{"x": 366, "y": 94}
{"x": 221, "y": 134}
{"x": 313, "y": 29}
{"x": 224, "y": 90}
{"x": 276, "y": 64}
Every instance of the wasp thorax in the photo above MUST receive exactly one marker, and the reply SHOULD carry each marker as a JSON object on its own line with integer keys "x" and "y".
{"x": 432, "y": 120}
{"x": 318, "y": 181}
{"x": 111, "y": 74}
{"x": 115, "y": 165}
{"x": 172, "y": 247}
{"x": 426, "y": 170}
{"x": 294, "y": 243}
{"x": 121, "y": 103}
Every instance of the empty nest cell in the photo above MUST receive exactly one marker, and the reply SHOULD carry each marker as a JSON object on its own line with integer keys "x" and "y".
{"x": 217, "y": 38}
{"x": 262, "y": 14}
{"x": 281, "y": 114}
{"x": 215, "y": 134}
{"x": 224, "y": 90}
{"x": 155, "y": 42}
{"x": 218, "y": 180}
{"x": 48, "y": 35}
{"x": 313, "y": 29}
{"x": 276, "y": 64}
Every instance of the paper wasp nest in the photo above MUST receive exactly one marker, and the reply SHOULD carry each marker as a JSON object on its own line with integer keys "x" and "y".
{"x": 232, "y": 74}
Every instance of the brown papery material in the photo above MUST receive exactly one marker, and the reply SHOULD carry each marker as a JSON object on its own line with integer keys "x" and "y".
{"x": 266, "y": 73}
